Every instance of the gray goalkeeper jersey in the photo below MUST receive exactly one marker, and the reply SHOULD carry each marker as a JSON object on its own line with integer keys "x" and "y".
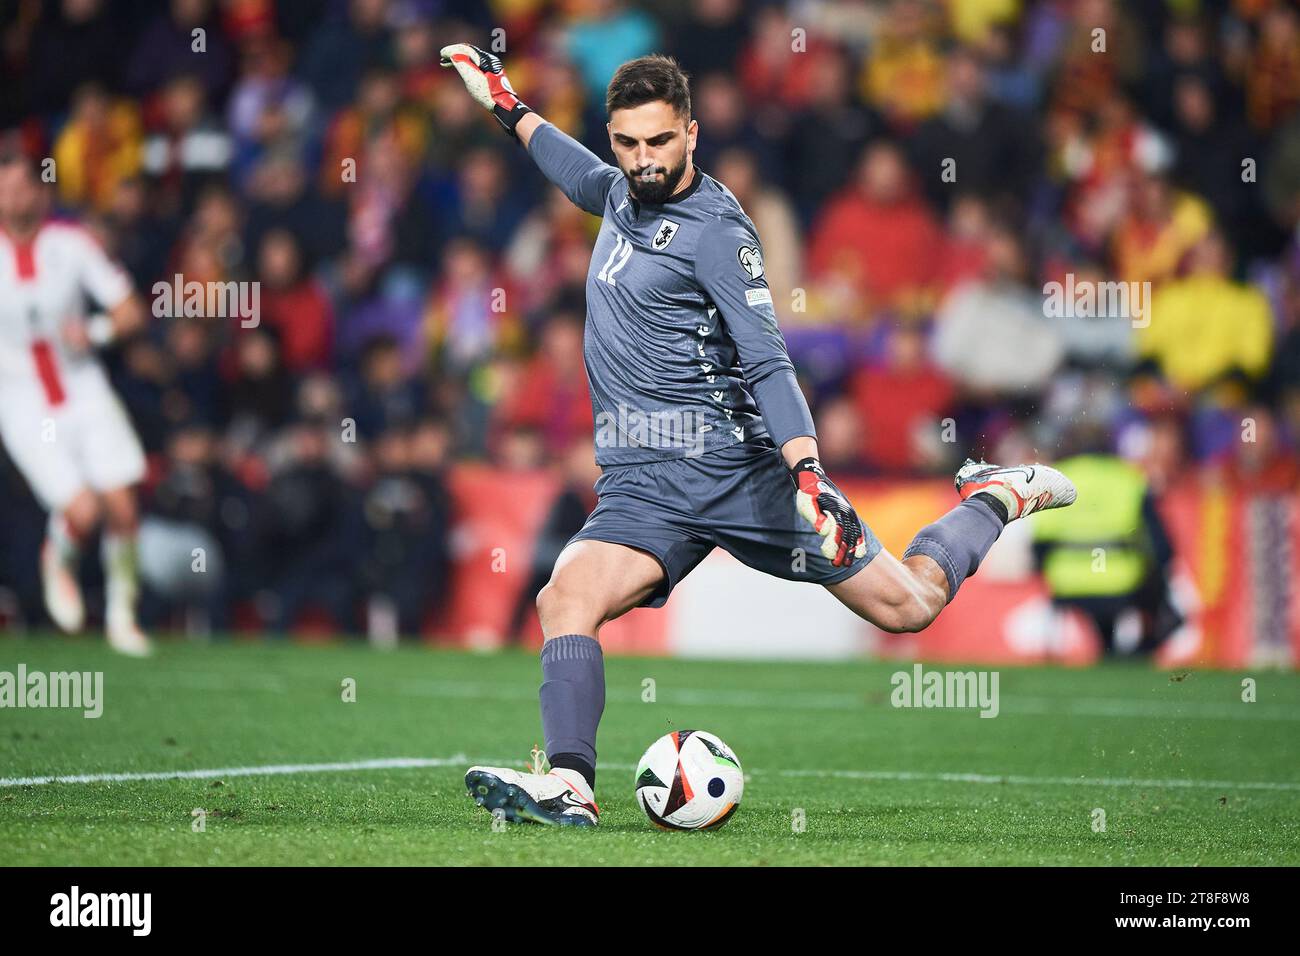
{"x": 682, "y": 349}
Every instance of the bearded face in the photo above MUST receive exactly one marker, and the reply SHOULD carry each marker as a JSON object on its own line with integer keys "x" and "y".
{"x": 653, "y": 146}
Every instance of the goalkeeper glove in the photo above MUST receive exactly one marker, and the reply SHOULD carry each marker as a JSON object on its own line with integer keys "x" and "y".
{"x": 486, "y": 82}
{"x": 829, "y": 512}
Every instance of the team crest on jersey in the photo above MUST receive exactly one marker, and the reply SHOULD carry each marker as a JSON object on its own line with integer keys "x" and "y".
{"x": 751, "y": 260}
{"x": 664, "y": 234}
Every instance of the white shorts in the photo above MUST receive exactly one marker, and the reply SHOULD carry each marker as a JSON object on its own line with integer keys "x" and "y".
{"x": 84, "y": 442}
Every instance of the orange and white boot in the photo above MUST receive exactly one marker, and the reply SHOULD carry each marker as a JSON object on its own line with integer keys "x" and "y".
{"x": 1022, "y": 489}
{"x": 61, "y": 590}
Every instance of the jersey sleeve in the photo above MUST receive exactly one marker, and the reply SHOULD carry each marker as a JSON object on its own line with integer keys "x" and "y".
{"x": 729, "y": 267}
{"x": 580, "y": 173}
{"x": 102, "y": 278}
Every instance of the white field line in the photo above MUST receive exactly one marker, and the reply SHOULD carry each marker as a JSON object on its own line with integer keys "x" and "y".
{"x": 267, "y": 770}
{"x": 1018, "y": 779}
{"x": 460, "y": 760}
{"x": 1011, "y": 703}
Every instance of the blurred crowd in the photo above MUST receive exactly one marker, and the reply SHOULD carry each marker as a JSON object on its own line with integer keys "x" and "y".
{"x": 918, "y": 170}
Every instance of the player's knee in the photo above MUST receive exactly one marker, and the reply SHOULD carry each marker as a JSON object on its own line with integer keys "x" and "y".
{"x": 917, "y": 616}
{"x": 120, "y": 513}
{"x": 903, "y": 609}
{"x": 546, "y": 598}
{"x": 82, "y": 514}
{"x": 560, "y": 605}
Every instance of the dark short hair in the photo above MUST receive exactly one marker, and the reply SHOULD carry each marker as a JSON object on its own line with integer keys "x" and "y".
{"x": 14, "y": 157}
{"x": 650, "y": 79}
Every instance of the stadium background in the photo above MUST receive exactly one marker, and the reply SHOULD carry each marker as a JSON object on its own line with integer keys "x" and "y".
{"x": 918, "y": 300}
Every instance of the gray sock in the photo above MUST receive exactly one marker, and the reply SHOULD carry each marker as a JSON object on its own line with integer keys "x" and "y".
{"x": 573, "y": 695}
{"x": 959, "y": 540}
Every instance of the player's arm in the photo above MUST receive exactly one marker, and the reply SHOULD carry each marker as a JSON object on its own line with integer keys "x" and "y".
{"x": 127, "y": 317}
{"x": 107, "y": 284}
{"x": 729, "y": 267}
{"x": 579, "y": 173}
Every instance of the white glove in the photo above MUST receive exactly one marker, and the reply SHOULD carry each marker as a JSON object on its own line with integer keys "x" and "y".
{"x": 486, "y": 82}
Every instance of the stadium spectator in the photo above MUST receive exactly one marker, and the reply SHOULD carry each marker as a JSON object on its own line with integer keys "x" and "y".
{"x": 963, "y": 255}
{"x": 379, "y": 114}
{"x": 899, "y": 398}
{"x": 991, "y": 335}
{"x": 340, "y": 49}
{"x": 194, "y": 388}
{"x": 83, "y": 33}
{"x": 878, "y": 234}
{"x": 294, "y": 304}
{"x": 826, "y": 136}
{"x": 604, "y": 34}
{"x": 551, "y": 393}
{"x": 407, "y": 517}
{"x": 903, "y": 77}
{"x": 550, "y": 252}
{"x": 279, "y": 195}
{"x": 391, "y": 237}
{"x": 985, "y": 147}
{"x": 1258, "y": 461}
{"x": 840, "y": 437}
{"x": 1160, "y": 227}
{"x": 719, "y": 105}
{"x": 1273, "y": 70}
{"x": 1206, "y": 325}
{"x": 385, "y": 396}
{"x": 465, "y": 320}
{"x": 98, "y": 148}
{"x": 270, "y": 109}
{"x": 166, "y": 49}
{"x": 196, "y": 504}
{"x": 1081, "y": 78}
{"x": 1100, "y": 334}
{"x": 1210, "y": 150}
{"x": 259, "y": 398}
{"x": 309, "y": 528}
{"x": 486, "y": 208}
{"x": 1185, "y": 53}
{"x": 711, "y": 32}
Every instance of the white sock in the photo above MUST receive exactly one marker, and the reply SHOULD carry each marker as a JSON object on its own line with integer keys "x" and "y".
{"x": 60, "y": 535}
{"x": 119, "y": 559}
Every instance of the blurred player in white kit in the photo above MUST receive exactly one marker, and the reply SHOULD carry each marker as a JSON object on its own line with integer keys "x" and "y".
{"x": 61, "y": 423}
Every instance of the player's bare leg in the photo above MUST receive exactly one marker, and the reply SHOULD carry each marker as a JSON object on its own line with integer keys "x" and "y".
{"x": 122, "y": 589}
{"x": 60, "y": 552}
{"x": 896, "y": 596}
{"x": 593, "y": 582}
{"x": 907, "y": 595}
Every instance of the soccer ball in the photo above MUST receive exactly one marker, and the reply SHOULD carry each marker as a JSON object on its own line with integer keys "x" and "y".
{"x": 689, "y": 780}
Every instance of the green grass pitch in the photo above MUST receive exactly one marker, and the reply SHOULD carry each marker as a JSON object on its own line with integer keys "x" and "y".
{"x": 1184, "y": 770}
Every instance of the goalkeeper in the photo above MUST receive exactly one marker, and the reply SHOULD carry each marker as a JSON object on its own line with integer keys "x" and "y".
{"x": 702, "y": 433}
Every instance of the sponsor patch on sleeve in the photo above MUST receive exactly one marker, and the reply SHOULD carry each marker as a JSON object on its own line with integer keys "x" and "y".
{"x": 758, "y": 296}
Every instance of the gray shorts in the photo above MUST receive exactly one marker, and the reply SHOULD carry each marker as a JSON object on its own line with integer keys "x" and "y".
{"x": 738, "y": 498}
